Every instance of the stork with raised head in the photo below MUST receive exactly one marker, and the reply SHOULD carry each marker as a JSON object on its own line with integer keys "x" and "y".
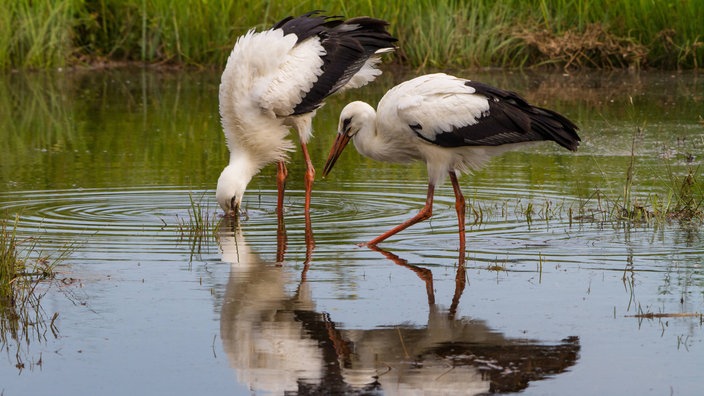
{"x": 277, "y": 79}
{"x": 453, "y": 124}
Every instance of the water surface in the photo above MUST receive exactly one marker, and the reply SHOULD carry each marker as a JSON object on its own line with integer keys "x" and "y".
{"x": 105, "y": 164}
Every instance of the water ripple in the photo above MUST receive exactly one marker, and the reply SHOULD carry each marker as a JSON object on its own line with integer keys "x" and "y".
{"x": 143, "y": 223}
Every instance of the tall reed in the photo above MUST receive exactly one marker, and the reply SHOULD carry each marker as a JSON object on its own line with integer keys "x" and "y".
{"x": 442, "y": 33}
{"x": 37, "y": 34}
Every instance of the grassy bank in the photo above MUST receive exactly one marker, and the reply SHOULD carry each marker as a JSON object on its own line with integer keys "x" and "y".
{"x": 445, "y": 33}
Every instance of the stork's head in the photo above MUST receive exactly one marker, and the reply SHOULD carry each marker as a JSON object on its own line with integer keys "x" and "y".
{"x": 355, "y": 117}
{"x": 231, "y": 187}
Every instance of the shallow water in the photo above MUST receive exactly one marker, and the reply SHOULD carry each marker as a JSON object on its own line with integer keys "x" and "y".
{"x": 105, "y": 165}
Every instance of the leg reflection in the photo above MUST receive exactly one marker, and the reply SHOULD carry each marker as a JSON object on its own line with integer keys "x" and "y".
{"x": 280, "y": 237}
{"x": 282, "y": 240}
{"x": 460, "y": 283}
{"x": 423, "y": 273}
{"x": 310, "y": 244}
{"x": 427, "y": 276}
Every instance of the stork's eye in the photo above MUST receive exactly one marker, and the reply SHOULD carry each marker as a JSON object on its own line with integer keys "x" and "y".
{"x": 346, "y": 124}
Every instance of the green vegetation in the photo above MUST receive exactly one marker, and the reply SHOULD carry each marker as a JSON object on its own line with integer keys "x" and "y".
{"x": 37, "y": 34}
{"x": 684, "y": 202}
{"x": 16, "y": 266}
{"x": 445, "y": 33}
{"x": 22, "y": 271}
{"x": 199, "y": 226}
{"x": 682, "y": 198}
{"x": 684, "y": 194}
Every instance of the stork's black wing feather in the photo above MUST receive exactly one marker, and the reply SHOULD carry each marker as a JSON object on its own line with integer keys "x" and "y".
{"x": 307, "y": 25}
{"x": 347, "y": 47}
{"x": 510, "y": 119}
{"x": 531, "y": 122}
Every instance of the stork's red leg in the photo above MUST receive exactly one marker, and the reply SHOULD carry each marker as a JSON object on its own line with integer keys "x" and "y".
{"x": 460, "y": 207}
{"x": 281, "y": 175}
{"x": 424, "y": 214}
{"x": 309, "y": 176}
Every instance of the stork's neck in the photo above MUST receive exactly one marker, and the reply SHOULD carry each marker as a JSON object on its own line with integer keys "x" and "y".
{"x": 367, "y": 141}
{"x": 244, "y": 163}
{"x": 376, "y": 141}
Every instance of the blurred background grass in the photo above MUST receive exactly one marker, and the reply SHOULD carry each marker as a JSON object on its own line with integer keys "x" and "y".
{"x": 438, "y": 33}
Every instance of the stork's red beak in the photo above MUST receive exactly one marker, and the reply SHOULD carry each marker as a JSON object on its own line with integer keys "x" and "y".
{"x": 337, "y": 147}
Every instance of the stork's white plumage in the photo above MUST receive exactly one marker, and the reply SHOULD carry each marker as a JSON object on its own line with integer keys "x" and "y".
{"x": 453, "y": 124}
{"x": 276, "y": 79}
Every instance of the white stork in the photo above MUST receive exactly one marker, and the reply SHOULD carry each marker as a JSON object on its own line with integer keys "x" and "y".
{"x": 277, "y": 79}
{"x": 453, "y": 124}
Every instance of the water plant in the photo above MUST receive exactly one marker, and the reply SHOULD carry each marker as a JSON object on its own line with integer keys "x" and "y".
{"x": 22, "y": 271}
{"x": 684, "y": 199}
{"x": 199, "y": 226}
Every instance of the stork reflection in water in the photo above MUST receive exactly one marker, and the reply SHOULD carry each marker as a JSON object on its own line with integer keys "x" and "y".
{"x": 279, "y": 341}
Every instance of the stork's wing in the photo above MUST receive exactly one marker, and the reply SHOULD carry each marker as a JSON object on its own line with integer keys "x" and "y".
{"x": 350, "y": 58}
{"x": 352, "y": 53}
{"x": 453, "y": 112}
{"x": 329, "y": 55}
{"x": 286, "y": 85}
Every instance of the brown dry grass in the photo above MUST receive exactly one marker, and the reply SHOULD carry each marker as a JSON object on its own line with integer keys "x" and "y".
{"x": 594, "y": 47}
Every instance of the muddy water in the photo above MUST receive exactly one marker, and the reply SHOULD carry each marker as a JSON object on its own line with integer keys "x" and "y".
{"x": 103, "y": 167}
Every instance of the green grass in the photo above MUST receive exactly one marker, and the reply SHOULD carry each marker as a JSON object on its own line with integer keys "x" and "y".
{"x": 37, "y": 34}
{"x": 682, "y": 198}
{"x": 22, "y": 272}
{"x": 445, "y": 33}
{"x": 10, "y": 264}
{"x": 199, "y": 226}
{"x": 17, "y": 265}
